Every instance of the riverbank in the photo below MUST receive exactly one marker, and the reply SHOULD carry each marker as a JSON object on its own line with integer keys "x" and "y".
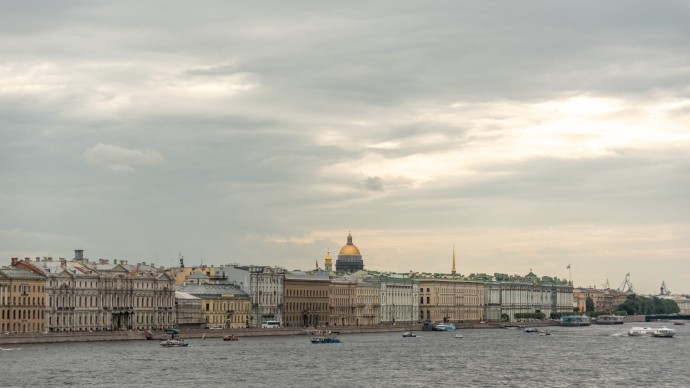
{"x": 136, "y": 335}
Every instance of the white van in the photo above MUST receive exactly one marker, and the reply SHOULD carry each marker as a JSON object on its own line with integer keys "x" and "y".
{"x": 270, "y": 324}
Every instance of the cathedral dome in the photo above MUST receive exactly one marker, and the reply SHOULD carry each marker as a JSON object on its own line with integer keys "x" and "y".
{"x": 349, "y": 249}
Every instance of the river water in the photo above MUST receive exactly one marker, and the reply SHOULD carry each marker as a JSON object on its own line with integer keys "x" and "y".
{"x": 595, "y": 356}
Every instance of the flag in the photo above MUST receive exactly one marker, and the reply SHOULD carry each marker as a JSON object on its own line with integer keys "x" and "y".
{"x": 568, "y": 267}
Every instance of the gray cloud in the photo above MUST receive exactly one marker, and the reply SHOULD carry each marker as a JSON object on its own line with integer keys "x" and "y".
{"x": 249, "y": 130}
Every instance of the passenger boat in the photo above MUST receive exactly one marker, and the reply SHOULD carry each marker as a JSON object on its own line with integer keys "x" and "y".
{"x": 325, "y": 340}
{"x": 409, "y": 334}
{"x": 427, "y": 326}
{"x": 609, "y": 320}
{"x": 444, "y": 327}
{"x": 640, "y": 331}
{"x": 664, "y": 332}
{"x": 231, "y": 337}
{"x": 575, "y": 320}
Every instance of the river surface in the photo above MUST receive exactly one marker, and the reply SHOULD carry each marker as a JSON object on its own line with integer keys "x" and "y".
{"x": 595, "y": 356}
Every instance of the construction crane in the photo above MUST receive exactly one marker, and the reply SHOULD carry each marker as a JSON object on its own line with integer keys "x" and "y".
{"x": 626, "y": 287}
{"x": 664, "y": 290}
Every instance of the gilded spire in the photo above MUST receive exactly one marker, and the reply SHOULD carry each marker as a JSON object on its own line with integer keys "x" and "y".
{"x": 453, "y": 271}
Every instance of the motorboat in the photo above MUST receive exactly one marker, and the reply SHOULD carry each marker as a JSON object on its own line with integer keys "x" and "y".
{"x": 544, "y": 332}
{"x": 171, "y": 339}
{"x": 531, "y": 330}
{"x": 231, "y": 337}
{"x": 679, "y": 323}
{"x": 325, "y": 340}
{"x": 174, "y": 343}
{"x": 458, "y": 336}
{"x": 409, "y": 334}
{"x": 664, "y": 332}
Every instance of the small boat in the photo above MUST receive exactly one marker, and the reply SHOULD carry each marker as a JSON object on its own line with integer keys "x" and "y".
{"x": 531, "y": 330}
{"x": 171, "y": 339}
{"x": 664, "y": 332}
{"x": 148, "y": 334}
{"x": 231, "y": 337}
{"x": 174, "y": 343}
{"x": 679, "y": 323}
{"x": 409, "y": 334}
{"x": 325, "y": 340}
{"x": 458, "y": 336}
{"x": 544, "y": 332}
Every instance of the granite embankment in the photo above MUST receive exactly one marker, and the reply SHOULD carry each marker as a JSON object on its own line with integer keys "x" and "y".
{"x": 136, "y": 335}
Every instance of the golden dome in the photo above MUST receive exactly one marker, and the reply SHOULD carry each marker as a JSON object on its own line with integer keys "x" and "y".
{"x": 349, "y": 250}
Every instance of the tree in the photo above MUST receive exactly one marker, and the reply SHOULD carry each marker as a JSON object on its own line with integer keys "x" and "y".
{"x": 589, "y": 304}
{"x": 505, "y": 317}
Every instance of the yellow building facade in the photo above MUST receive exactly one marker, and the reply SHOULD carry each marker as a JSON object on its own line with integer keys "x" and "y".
{"x": 446, "y": 300}
{"x": 22, "y": 301}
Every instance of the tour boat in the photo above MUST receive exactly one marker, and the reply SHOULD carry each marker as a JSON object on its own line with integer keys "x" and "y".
{"x": 664, "y": 332}
{"x": 640, "y": 331}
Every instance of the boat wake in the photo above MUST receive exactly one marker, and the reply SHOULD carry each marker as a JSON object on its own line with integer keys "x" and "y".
{"x": 1, "y": 348}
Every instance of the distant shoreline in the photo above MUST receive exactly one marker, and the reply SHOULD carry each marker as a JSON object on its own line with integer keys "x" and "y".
{"x": 139, "y": 335}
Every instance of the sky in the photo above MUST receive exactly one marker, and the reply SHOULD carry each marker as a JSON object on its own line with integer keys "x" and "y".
{"x": 522, "y": 135}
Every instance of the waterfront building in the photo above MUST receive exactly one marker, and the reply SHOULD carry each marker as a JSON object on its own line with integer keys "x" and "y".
{"x": 349, "y": 258}
{"x": 399, "y": 300}
{"x": 188, "y": 310}
{"x": 341, "y": 299}
{"x": 450, "y": 300}
{"x": 22, "y": 301}
{"x": 267, "y": 292}
{"x": 92, "y": 296}
{"x": 306, "y": 299}
{"x": 222, "y": 305}
{"x": 354, "y": 302}
{"x": 506, "y": 295}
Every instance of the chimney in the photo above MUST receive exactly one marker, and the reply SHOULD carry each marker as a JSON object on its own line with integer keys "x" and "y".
{"x": 15, "y": 260}
{"x": 78, "y": 254}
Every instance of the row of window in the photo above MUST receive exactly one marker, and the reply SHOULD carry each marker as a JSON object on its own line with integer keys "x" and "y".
{"x": 23, "y": 314}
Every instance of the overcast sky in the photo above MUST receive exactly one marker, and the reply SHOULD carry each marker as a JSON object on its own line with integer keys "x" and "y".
{"x": 526, "y": 134}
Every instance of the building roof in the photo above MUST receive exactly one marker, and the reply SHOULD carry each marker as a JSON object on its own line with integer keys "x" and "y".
{"x": 18, "y": 273}
{"x": 185, "y": 295}
{"x": 214, "y": 290}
